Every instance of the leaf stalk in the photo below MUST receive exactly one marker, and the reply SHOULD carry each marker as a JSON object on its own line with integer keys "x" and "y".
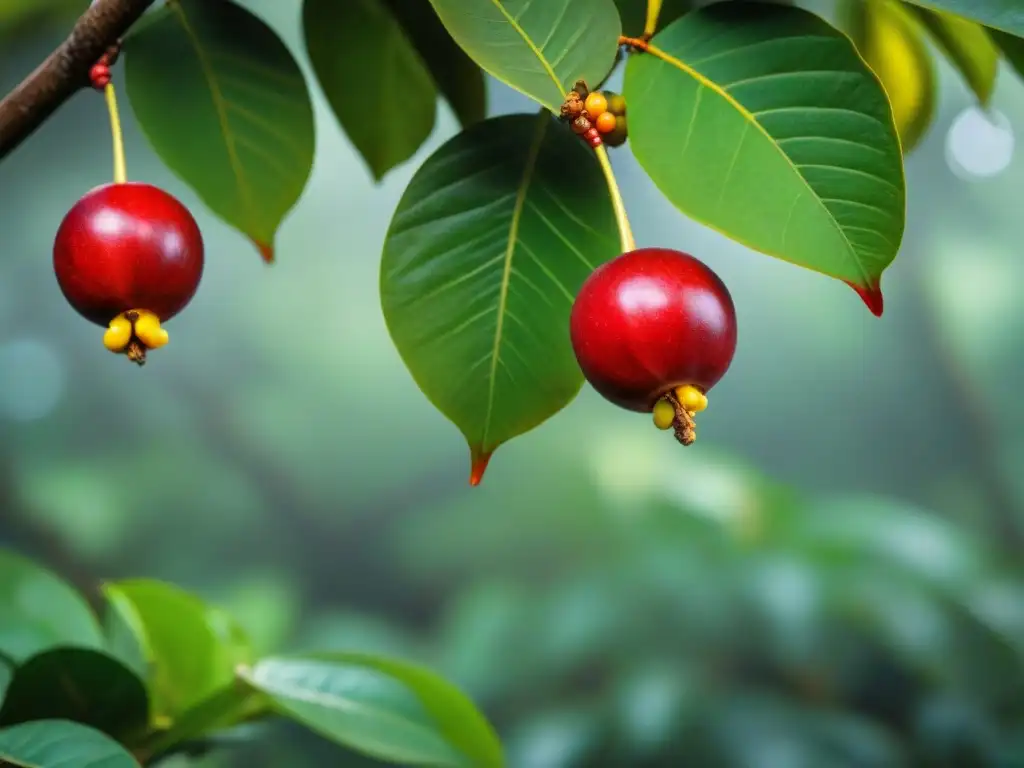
{"x": 621, "y": 219}
{"x": 651, "y": 21}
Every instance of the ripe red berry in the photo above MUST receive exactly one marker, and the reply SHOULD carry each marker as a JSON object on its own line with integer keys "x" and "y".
{"x": 128, "y": 247}
{"x": 650, "y": 321}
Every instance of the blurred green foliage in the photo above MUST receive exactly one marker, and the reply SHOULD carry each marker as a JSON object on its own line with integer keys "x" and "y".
{"x": 606, "y": 598}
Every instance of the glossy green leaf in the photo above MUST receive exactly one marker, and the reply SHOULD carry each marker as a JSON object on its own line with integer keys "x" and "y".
{"x": 762, "y": 122}
{"x": 190, "y": 652}
{"x": 381, "y": 707}
{"x": 61, "y": 744}
{"x": 40, "y": 611}
{"x": 456, "y": 75}
{"x": 633, "y": 14}
{"x": 969, "y": 48}
{"x": 539, "y": 47}
{"x": 374, "y": 79}
{"x": 78, "y": 684}
{"x": 231, "y": 116}
{"x": 1007, "y": 15}
{"x": 893, "y": 44}
{"x": 1012, "y": 48}
{"x": 491, "y": 240}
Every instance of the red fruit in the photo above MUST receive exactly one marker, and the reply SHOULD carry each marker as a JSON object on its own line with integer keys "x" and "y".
{"x": 649, "y": 321}
{"x": 128, "y": 246}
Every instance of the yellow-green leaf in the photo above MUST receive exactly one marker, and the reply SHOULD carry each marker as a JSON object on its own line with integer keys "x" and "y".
{"x": 968, "y": 46}
{"x": 892, "y": 43}
{"x": 225, "y": 105}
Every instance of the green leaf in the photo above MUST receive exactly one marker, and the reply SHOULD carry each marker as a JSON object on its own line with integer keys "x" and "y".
{"x": 61, "y": 744}
{"x": 892, "y": 42}
{"x": 969, "y": 48}
{"x": 231, "y": 114}
{"x": 490, "y": 242}
{"x": 1012, "y": 48}
{"x": 77, "y": 684}
{"x": 374, "y": 80}
{"x": 40, "y": 611}
{"x": 539, "y": 47}
{"x": 227, "y": 707}
{"x": 1007, "y": 15}
{"x": 634, "y": 14}
{"x": 381, "y": 707}
{"x": 191, "y": 653}
{"x": 762, "y": 122}
{"x": 457, "y": 76}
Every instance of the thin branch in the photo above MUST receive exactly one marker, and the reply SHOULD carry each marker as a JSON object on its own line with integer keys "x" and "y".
{"x": 66, "y": 70}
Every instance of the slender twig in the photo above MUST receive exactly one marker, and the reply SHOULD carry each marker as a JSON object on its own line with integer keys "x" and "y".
{"x": 66, "y": 70}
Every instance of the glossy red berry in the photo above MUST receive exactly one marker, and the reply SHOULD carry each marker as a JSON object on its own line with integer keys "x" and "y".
{"x": 126, "y": 247}
{"x": 650, "y": 321}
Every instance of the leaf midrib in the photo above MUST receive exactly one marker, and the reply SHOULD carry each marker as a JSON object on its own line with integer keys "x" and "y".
{"x": 506, "y": 275}
{"x": 220, "y": 107}
{"x": 707, "y": 82}
{"x": 529, "y": 42}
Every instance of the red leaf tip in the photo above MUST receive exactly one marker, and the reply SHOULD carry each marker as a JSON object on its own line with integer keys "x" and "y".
{"x": 871, "y": 295}
{"x": 478, "y": 467}
{"x": 266, "y": 251}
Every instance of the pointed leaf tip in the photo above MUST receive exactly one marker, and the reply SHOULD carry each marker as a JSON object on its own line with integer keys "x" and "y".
{"x": 266, "y": 251}
{"x": 871, "y": 295}
{"x": 478, "y": 467}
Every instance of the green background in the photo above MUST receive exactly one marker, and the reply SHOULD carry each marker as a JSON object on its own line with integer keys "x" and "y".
{"x": 277, "y": 458}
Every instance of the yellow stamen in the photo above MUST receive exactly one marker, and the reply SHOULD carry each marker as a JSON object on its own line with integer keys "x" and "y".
{"x": 118, "y": 334}
{"x": 148, "y": 330}
{"x": 691, "y": 398}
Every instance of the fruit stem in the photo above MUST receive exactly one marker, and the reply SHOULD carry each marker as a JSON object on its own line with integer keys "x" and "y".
{"x": 120, "y": 166}
{"x": 651, "y": 22}
{"x": 625, "y": 232}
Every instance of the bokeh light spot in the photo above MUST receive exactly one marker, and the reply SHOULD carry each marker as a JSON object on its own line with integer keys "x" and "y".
{"x": 979, "y": 144}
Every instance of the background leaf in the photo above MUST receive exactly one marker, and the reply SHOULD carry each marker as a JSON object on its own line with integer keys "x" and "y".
{"x": 766, "y": 125}
{"x": 968, "y": 46}
{"x": 456, "y": 75}
{"x": 385, "y": 708}
{"x": 190, "y": 655}
{"x": 79, "y": 684}
{"x": 61, "y": 744}
{"x": 1007, "y": 15}
{"x": 374, "y": 79}
{"x": 1012, "y": 47}
{"x": 232, "y": 117}
{"x": 893, "y": 44}
{"x": 539, "y": 47}
{"x": 490, "y": 242}
{"x": 39, "y": 610}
